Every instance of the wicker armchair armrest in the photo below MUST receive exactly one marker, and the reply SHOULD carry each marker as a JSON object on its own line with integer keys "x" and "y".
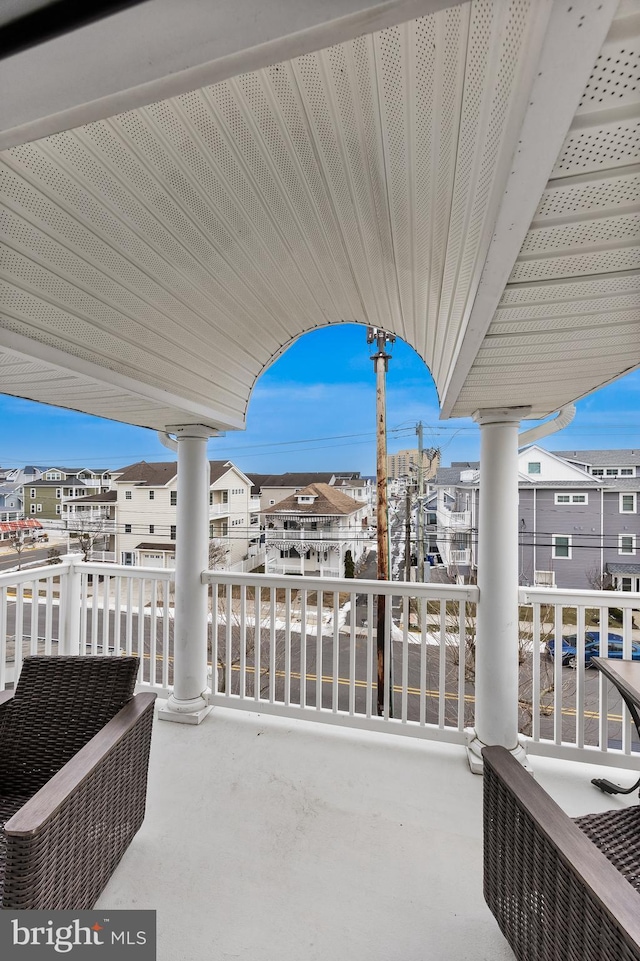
{"x": 64, "y": 843}
{"x": 5, "y": 697}
{"x": 552, "y": 891}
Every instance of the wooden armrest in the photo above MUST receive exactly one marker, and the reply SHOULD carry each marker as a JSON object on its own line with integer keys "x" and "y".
{"x": 609, "y": 888}
{"x": 44, "y": 804}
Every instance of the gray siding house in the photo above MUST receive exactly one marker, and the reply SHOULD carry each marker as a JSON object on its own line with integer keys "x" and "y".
{"x": 579, "y": 525}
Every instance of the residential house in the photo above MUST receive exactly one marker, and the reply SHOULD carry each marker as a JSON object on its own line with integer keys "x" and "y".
{"x": 92, "y": 520}
{"x": 579, "y": 524}
{"x": 146, "y": 513}
{"x": 311, "y": 530}
{"x": 45, "y": 495}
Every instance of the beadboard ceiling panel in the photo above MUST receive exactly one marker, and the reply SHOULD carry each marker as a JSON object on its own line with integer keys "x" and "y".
{"x": 155, "y": 262}
{"x": 569, "y": 317}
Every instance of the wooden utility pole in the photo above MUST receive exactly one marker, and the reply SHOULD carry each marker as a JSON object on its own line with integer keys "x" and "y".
{"x": 380, "y": 365}
{"x": 407, "y": 535}
{"x": 420, "y": 531}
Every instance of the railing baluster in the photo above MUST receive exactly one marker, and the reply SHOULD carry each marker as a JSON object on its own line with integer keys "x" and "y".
{"x": 243, "y": 641}
{"x": 423, "y": 660}
{"x": 3, "y": 637}
{"x": 335, "y": 673}
{"x": 352, "y": 654}
{"x": 303, "y": 649}
{"x": 442, "y": 679}
{"x": 35, "y": 609}
{"x": 405, "y": 659}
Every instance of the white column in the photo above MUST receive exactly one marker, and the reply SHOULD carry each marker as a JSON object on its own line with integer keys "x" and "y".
{"x": 189, "y": 700}
{"x": 496, "y": 676}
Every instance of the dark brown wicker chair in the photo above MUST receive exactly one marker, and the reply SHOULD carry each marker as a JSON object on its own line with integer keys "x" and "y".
{"x": 74, "y": 752}
{"x": 550, "y": 881}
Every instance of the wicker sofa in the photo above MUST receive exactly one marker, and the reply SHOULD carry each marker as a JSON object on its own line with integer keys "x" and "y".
{"x": 560, "y": 888}
{"x": 74, "y": 751}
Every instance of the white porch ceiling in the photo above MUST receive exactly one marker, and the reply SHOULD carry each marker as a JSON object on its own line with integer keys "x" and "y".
{"x": 155, "y": 262}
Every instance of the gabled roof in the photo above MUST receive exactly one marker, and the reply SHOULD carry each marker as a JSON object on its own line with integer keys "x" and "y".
{"x": 161, "y": 473}
{"x": 327, "y": 501}
{"x": 108, "y": 497}
{"x": 602, "y": 458}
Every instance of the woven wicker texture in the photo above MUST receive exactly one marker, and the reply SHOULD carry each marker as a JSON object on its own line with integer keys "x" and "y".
{"x": 544, "y": 906}
{"x": 617, "y": 834}
{"x": 75, "y": 714}
{"x": 58, "y": 705}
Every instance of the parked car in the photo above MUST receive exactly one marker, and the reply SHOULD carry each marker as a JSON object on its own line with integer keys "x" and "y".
{"x": 591, "y": 648}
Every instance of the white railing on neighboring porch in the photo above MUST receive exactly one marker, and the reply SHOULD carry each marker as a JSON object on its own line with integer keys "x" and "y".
{"x": 307, "y": 647}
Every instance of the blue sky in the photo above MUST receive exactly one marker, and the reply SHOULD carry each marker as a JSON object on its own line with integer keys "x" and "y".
{"x": 314, "y": 409}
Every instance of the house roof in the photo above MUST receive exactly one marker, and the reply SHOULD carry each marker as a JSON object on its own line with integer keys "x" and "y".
{"x": 327, "y": 501}
{"x": 161, "y": 473}
{"x": 621, "y": 568}
{"x": 108, "y": 497}
{"x": 602, "y": 458}
{"x": 174, "y": 221}
{"x": 169, "y": 548}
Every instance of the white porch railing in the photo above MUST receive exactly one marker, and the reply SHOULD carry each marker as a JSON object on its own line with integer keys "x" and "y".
{"x": 458, "y": 519}
{"x": 78, "y": 608}
{"x": 302, "y": 646}
{"x": 569, "y": 710}
{"x": 460, "y": 556}
{"x": 307, "y": 647}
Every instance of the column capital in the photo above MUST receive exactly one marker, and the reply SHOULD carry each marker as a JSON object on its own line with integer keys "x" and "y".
{"x": 193, "y": 430}
{"x": 500, "y": 415}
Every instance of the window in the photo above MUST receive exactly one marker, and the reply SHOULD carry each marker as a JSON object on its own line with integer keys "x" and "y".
{"x": 571, "y": 498}
{"x": 172, "y": 532}
{"x": 127, "y": 495}
{"x": 173, "y": 498}
{"x": 627, "y": 503}
{"x": 58, "y": 508}
{"x": 152, "y": 495}
{"x": 626, "y": 472}
{"x": 533, "y": 467}
{"x": 58, "y": 492}
{"x": 33, "y": 508}
{"x": 33, "y": 492}
{"x": 612, "y": 471}
{"x": 598, "y": 472}
{"x": 627, "y": 583}
{"x": 53, "y": 475}
{"x": 626, "y": 543}
{"x": 127, "y": 528}
{"x": 152, "y": 528}
{"x": 271, "y": 503}
{"x": 210, "y": 498}
{"x": 39, "y": 508}
{"x": 561, "y": 546}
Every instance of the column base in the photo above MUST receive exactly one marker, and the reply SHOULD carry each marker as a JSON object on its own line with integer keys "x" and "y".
{"x": 474, "y": 752}
{"x": 192, "y": 711}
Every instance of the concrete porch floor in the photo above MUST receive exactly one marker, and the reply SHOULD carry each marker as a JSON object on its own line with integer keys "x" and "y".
{"x": 268, "y": 839}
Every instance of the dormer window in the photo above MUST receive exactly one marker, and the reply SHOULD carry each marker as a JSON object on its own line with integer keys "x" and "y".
{"x": 306, "y": 498}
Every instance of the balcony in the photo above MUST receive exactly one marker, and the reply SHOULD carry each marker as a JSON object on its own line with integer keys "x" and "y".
{"x": 282, "y": 818}
{"x": 458, "y": 519}
{"x": 219, "y": 510}
{"x": 460, "y": 557}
